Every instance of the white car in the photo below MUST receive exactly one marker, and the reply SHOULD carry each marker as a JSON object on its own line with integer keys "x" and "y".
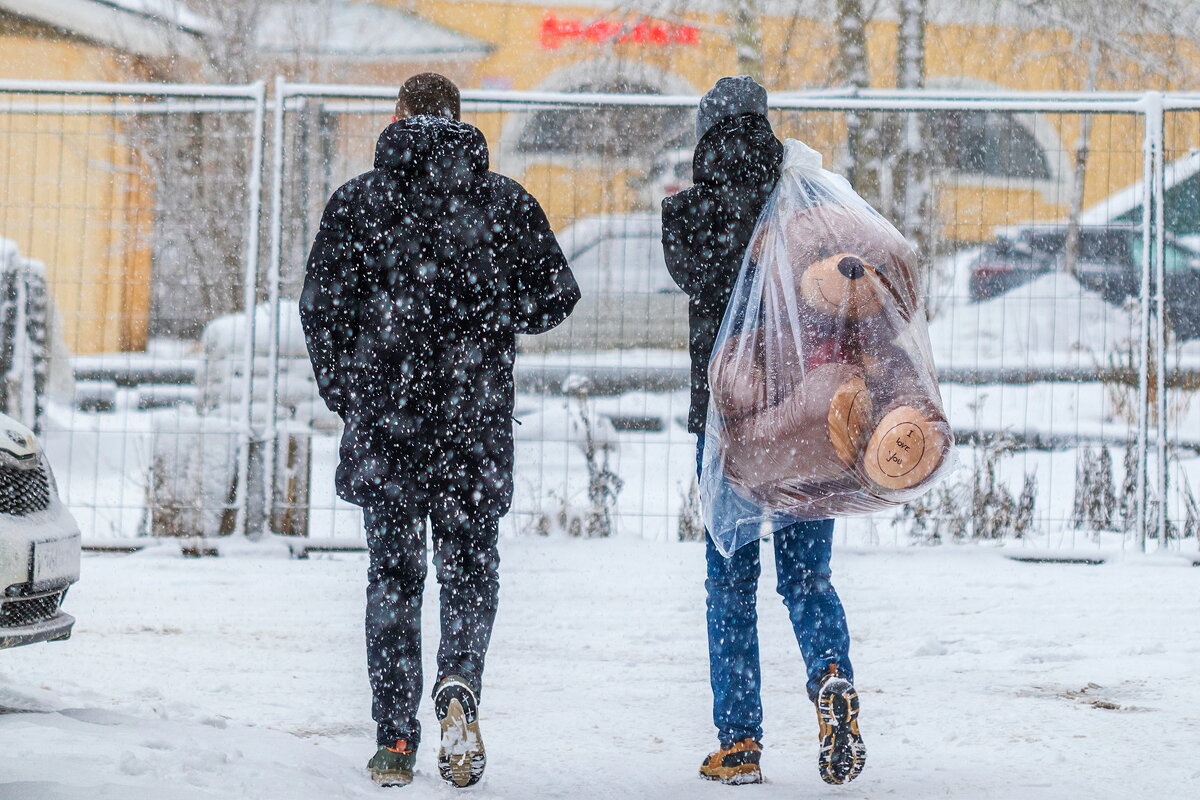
{"x": 39, "y": 543}
{"x": 670, "y": 172}
{"x": 628, "y": 299}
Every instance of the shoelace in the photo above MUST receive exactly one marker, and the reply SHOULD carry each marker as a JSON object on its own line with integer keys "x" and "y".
{"x": 401, "y": 747}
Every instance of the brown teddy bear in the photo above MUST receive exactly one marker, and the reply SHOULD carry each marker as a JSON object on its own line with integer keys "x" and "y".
{"x": 832, "y": 408}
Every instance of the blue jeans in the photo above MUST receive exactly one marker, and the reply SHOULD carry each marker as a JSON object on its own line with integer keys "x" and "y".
{"x": 802, "y": 566}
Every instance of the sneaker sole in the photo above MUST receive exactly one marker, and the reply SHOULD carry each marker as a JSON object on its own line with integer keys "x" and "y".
{"x": 843, "y": 753}
{"x": 461, "y": 759}
{"x": 736, "y": 776}
{"x": 386, "y": 778}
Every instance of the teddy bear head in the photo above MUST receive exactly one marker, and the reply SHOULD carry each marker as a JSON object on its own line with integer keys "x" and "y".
{"x": 847, "y": 263}
{"x": 843, "y": 285}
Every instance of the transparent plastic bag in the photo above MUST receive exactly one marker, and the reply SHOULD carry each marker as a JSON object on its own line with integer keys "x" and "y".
{"x": 823, "y": 397}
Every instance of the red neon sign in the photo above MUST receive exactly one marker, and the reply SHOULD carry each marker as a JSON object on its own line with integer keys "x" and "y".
{"x": 554, "y": 31}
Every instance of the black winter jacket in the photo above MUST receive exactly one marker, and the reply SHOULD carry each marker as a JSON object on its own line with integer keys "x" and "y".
{"x": 707, "y": 228}
{"x": 423, "y": 271}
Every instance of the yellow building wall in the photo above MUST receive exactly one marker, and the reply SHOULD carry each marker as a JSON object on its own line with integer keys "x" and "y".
{"x": 73, "y": 195}
{"x": 76, "y": 198}
{"x": 801, "y": 54}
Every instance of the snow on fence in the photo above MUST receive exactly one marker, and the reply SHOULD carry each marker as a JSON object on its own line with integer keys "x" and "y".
{"x": 174, "y": 222}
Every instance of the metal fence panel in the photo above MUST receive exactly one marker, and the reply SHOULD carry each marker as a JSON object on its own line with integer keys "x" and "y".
{"x": 1175, "y": 494}
{"x": 1049, "y": 383}
{"x": 130, "y": 217}
{"x": 1068, "y": 358}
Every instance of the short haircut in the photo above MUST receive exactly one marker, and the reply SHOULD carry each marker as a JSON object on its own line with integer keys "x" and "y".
{"x": 428, "y": 93}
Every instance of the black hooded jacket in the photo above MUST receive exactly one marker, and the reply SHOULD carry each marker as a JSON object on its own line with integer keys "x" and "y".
{"x": 423, "y": 271}
{"x": 707, "y": 228}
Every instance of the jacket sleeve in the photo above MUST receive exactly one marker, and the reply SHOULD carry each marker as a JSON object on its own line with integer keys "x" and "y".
{"x": 329, "y": 305}
{"x": 678, "y": 239}
{"x": 544, "y": 288}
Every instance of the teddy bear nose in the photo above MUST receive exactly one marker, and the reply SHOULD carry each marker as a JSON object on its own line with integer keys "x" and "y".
{"x": 851, "y": 267}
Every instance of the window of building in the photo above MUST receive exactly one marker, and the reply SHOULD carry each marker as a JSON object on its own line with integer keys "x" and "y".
{"x": 986, "y": 143}
{"x": 610, "y": 131}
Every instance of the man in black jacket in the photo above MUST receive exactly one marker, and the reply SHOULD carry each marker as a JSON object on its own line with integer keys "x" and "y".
{"x": 706, "y": 230}
{"x": 422, "y": 273}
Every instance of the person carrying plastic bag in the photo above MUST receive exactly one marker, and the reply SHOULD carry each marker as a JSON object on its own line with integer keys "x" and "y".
{"x": 708, "y": 232}
{"x": 824, "y": 399}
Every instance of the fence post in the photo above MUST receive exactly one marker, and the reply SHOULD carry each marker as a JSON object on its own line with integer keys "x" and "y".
{"x": 289, "y": 514}
{"x": 1160, "y": 317}
{"x": 274, "y": 265}
{"x": 248, "y": 500}
{"x": 1152, "y": 107}
{"x": 1147, "y": 170}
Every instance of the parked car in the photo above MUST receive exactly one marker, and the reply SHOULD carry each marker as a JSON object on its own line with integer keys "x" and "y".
{"x": 39, "y": 543}
{"x": 628, "y": 298}
{"x": 670, "y": 172}
{"x": 1109, "y": 263}
{"x": 34, "y": 359}
{"x": 1003, "y": 265}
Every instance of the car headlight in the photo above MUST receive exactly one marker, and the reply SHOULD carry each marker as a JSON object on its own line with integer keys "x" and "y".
{"x": 18, "y": 449}
{"x": 28, "y": 459}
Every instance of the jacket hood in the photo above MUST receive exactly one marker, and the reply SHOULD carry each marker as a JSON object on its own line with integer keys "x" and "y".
{"x": 434, "y": 152}
{"x": 730, "y": 97}
{"x": 737, "y": 149}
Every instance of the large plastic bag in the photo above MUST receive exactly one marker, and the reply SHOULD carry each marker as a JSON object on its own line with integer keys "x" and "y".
{"x": 824, "y": 401}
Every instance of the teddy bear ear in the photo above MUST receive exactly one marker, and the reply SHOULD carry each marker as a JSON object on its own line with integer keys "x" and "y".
{"x": 898, "y": 280}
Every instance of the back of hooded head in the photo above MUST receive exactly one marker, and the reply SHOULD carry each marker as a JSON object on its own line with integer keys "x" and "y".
{"x": 730, "y": 97}
{"x": 428, "y": 144}
{"x": 428, "y": 93}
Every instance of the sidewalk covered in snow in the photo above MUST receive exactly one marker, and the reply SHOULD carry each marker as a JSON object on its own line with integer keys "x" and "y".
{"x": 243, "y": 676}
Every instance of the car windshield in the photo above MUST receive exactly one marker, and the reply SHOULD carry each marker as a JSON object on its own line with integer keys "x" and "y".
{"x": 1102, "y": 245}
{"x": 1175, "y": 259}
{"x": 1096, "y": 246}
{"x": 630, "y": 264}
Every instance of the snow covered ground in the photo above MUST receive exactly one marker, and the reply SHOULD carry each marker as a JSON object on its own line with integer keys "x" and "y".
{"x": 243, "y": 677}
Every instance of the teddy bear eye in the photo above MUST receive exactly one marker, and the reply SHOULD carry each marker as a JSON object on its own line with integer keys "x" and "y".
{"x": 823, "y": 252}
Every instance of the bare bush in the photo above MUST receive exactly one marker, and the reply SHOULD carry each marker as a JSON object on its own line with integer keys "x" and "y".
{"x": 596, "y": 519}
{"x": 979, "y": 508}
{"x": 1191, "y": 524}
{"x": 1128, "y": 502}
{"x": 690, "y": 527}
{"x": 604, "y": 485}
{"x": 1095, "y": 507}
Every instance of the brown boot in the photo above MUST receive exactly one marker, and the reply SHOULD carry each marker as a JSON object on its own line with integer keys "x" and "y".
{"x": 735, "y": 764}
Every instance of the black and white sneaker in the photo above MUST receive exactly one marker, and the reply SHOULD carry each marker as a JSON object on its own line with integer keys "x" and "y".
{"x": 842, "y": 751}
{"x": 461, "y": 760}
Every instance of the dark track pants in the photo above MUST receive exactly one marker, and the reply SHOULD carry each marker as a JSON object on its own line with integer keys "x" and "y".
{"x": 467, "y": 564}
